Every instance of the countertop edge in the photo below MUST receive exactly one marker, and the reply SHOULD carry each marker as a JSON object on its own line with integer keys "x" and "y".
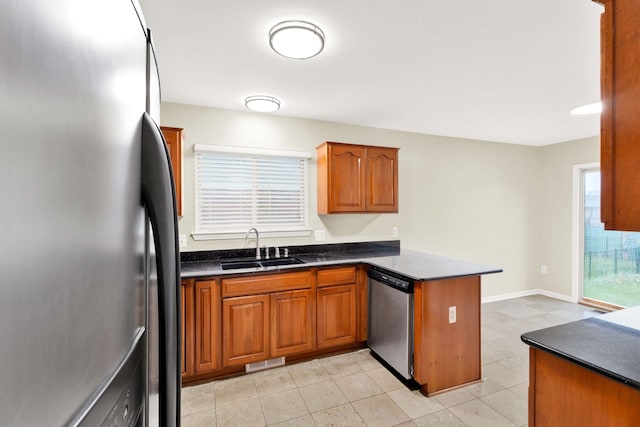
{"x": 381, "y": 260}
{"x": 580, "y": 360}
{"x": 614, "y": 376}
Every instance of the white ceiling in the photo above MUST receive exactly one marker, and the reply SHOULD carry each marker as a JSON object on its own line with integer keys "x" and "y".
{"x": 497, "y": 70}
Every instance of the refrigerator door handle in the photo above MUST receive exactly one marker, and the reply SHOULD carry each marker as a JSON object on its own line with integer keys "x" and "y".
{"x": 157, "y": 178}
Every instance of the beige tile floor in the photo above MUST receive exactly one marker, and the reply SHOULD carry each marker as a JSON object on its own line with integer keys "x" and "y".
{"x": 355, "y": 390}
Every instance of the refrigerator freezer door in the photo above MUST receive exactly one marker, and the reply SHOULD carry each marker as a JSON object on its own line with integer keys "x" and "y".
{"x": 72, "y": 92}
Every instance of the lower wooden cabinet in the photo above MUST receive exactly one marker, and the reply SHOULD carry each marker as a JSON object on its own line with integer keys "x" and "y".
{"x": 231, "y": 321}
{"x": 456, "y": 358}
{"x": 200, "y": 327}
{"x": 338, "y": 300}
{"x": 292, "y": 322}
{"x": 207, "y": 326}
{"x": 188, "y": 319}
{"x": 336, "y": 315}
{"x": 245, "y": 329}
{"x": 564, "y": 393}
{"x": 260, "y": 327}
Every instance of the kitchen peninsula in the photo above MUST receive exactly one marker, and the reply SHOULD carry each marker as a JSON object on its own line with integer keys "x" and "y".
{"x": 586, "y": 373}
{"x": 247, "y": 318}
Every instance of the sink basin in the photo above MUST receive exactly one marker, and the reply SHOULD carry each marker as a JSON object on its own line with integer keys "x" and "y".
{"x": 236, "y": 265}
{"x": 280, "y": 261}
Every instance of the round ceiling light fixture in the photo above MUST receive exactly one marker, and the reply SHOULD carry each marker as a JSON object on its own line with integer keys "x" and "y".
{"x": 296, "y": 39}
{"x": 591, "y": 108}
{"x": 262, "y": 103}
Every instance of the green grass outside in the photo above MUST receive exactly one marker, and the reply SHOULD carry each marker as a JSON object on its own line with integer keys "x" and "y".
{"x": 621, "y": 289}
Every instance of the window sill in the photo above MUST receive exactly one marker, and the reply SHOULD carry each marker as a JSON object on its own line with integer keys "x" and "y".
{"x": 235, "y": 235}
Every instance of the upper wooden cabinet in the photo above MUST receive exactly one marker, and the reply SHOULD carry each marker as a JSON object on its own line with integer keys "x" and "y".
{"x": 620, "y": 119}
{"x": 357, "y": 178}
{"x": 173, "y": 138}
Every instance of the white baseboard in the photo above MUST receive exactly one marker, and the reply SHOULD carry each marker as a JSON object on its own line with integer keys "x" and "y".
{"x": 557, "y": 296}
{"x": 527, "y": 293}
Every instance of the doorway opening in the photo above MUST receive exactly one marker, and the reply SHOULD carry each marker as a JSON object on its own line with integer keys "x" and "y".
{"x": 608, "y": 261}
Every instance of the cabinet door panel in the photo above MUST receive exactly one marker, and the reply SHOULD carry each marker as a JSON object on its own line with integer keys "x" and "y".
{"x": 245, "y": 325}
{"x": 620, "y": 118}
{"x": 207, "y": 302}
{"x": 347, "y": 178}
{"x": 382, "y": 179}
{"x": 336, "y": 315}
{"x": 263, "y": 284}
{"x": 292, "y": 322}
{"x": 336, "y": 276}
{"x": 562, "y": 390}
{"x": 188, "y": 337}
{"x": 456, "y": 359}
{"x": 173, "y": 138}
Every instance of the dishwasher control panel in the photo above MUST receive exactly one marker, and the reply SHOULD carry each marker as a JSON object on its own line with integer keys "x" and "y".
{"x": 402, "y": 283}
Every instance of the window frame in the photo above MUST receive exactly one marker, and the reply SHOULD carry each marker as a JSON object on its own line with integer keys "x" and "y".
{"x": 201, "y": 233}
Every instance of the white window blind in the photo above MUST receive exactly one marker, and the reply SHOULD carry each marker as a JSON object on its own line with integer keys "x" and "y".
{"x": 239, "y": 188}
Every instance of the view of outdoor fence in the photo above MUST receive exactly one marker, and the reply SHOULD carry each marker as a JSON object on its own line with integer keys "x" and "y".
{"x": 611, "y": 255}
{"x": 612, "y": 266}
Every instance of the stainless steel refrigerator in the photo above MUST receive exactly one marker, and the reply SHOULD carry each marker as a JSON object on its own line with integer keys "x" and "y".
{"x": 89, "y": 269}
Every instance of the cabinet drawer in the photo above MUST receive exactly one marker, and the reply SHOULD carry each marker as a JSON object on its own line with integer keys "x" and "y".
{"x": 261, "y": 284}
{"x": 336, "y": 276}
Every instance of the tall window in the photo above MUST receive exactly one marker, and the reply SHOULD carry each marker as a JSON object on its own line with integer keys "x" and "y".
{"x": 611, "y": 264}
{"x": 238, "y": 188}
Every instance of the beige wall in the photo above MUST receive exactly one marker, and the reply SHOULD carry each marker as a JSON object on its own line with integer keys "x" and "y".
{"x": 478, "y": 201}
{"x": 557, "y": 210}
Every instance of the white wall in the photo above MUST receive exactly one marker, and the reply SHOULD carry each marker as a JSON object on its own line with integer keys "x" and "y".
{"x": 477, "y": 201}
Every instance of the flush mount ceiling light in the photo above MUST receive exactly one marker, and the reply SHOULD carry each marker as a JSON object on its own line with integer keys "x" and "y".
{"x": 296, "y": 39}
{"x": 262, "y": 103}
{"x": 591, "y": 108}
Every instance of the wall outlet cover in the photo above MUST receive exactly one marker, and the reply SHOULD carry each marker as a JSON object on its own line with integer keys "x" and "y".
{"x": 452, "y": 314}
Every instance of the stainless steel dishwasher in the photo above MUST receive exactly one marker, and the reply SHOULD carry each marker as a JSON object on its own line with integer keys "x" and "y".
{"x": 390, "y": 334}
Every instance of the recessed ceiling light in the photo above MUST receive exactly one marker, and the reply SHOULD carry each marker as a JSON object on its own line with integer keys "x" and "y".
{"x": 296, "y": 39}
{"x": 591, "y": 108}
{"x": 262, "y": 103}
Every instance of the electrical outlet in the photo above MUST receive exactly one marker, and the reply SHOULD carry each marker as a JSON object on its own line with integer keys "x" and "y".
{"x": 543, "y": 269}
{"x": 319, "y": 235}
{"x": 394, "y": 232}
{"x": 452, "y": 314}
{"x": 182, "y": 240}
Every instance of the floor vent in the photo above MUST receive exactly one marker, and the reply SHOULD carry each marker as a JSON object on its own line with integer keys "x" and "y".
{"x": 265, "y": 364}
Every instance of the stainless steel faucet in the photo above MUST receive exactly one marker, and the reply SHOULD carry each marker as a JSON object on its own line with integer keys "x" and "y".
{"x": 246, "y": 239}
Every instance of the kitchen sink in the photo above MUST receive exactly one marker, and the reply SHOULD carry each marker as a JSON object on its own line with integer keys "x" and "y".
{"x": 280, "y": 261}
{"x": 236, "y": 265}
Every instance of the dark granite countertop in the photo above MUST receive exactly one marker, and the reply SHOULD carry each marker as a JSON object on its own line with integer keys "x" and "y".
{"x": 387, "y": 255}
{"x": 607, "y": 344}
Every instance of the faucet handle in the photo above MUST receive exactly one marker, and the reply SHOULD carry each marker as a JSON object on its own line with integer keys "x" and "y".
{"x": 277, "y": 250}
{"x": 266, "y": 251}
{"x": 286, "y": 252}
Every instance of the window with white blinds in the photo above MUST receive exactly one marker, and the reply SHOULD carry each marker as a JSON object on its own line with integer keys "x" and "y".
{"x": 239, "y": 188}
